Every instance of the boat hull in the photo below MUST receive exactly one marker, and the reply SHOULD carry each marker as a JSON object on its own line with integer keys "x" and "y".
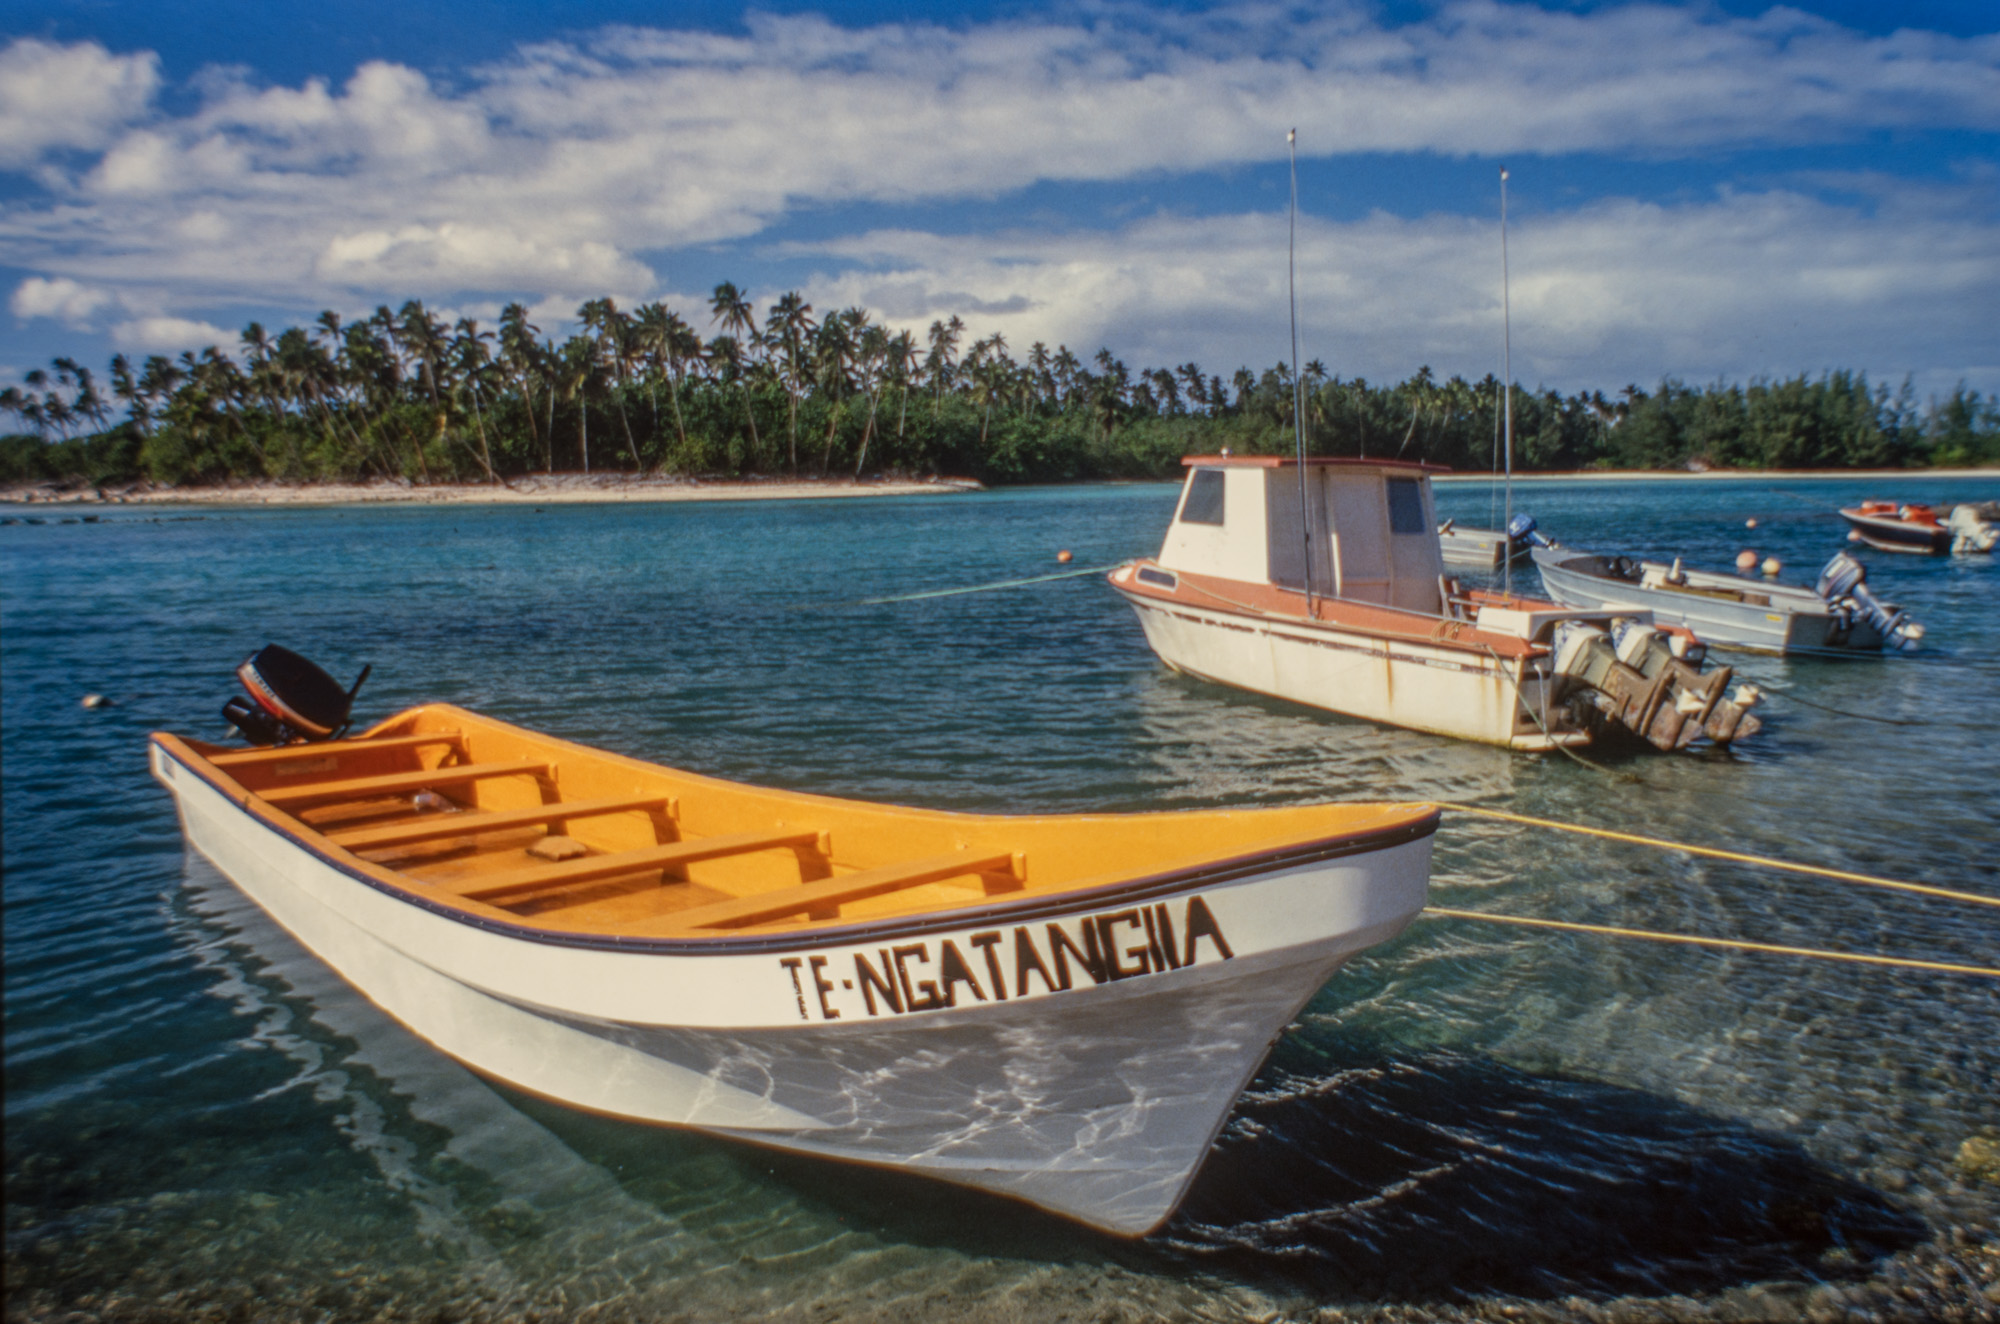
{"x": 1789, "y": 622}
{"x": 936, "y": 1048}
{"x": 1891, "y": 533}
{"x": 1478, "y": 549}
{"x": 1446, "y": 691}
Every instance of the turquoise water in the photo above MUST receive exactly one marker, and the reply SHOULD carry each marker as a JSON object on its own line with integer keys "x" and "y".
{"x": 1472, "y": 1121}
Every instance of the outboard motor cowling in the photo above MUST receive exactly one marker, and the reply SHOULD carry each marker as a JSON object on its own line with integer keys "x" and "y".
{"x": 1843, "y": 585}
{"x": 290, "y": 699}
{"x": 1522, "y": 529}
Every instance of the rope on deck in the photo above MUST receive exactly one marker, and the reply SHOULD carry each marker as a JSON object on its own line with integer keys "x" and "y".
{"x": 1651, "y": 935}
{"x": 1838, "y": 875}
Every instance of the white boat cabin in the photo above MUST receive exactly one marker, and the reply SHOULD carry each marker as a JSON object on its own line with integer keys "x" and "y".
{"x": 1372, "y": 535}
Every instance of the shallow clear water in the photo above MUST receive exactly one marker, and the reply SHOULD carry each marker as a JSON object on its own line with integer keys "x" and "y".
{"x": 1472, "y": 1120}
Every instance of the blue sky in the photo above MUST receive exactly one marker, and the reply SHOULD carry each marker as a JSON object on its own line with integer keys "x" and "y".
{"x": 1704, "y": 191}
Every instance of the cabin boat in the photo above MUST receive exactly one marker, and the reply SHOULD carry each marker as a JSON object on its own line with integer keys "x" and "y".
{"x": 1061, "y": 1009}
{"x": 1894, "y": 526}
{"x": 1837, "y": 617}
{"x": 1323, "y": 583}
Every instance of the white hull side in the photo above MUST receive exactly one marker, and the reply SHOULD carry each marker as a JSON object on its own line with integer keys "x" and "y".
{"x": 1098, "y": 1102}
{"x": 1448, "y": 692}
{"x": 1781, "y": 629}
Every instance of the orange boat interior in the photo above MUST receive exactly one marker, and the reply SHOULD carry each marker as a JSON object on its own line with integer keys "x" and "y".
{"x": 500, "y": 821}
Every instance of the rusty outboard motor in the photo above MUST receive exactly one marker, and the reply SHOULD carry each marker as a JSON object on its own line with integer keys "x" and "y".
{"x": 290, "y": 699}
{"x": 1649, "y": 682}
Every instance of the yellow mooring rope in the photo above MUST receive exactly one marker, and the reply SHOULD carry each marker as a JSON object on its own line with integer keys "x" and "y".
{"x": 1446, "y": 912}
{"x": 1840, "y": 875}
{"x": 1652, "y": 935}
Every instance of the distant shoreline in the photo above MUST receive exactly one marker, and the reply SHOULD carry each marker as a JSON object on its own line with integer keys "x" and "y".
{"x": 573, "y": 488}
{"x": 1677, "y": 475}
{"x": 534, "y": 489}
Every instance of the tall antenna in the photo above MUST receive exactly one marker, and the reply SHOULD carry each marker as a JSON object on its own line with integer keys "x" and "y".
{"x": 1507, "y": 385}
{"x": 1298, "y": 383}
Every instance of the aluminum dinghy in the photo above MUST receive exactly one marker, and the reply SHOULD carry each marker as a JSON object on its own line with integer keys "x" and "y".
{"x": 1838, "y": 617}
{"x": 1061, "y": 1009}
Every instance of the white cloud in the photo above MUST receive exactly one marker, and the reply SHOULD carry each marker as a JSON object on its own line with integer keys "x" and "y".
{"x": 68, "y": 96}
{"x": 60, "y": 298}
{"x": 1622, "y": 291}
{"x": 545, "y": 175}
{"x": 164, "y": 335}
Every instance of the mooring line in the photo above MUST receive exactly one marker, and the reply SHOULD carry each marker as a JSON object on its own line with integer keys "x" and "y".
{"x": 1692, "y": 940}
{"x": 1791, "y": 695}
{"x": 988, "y": 588}
{"x": 1839, "y": 875}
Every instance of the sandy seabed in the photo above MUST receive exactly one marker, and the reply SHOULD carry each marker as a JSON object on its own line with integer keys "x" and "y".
{"x": 534, "y": 489}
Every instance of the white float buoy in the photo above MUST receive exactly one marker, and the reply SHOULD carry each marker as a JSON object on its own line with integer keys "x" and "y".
{"x": 96, "y": 701}
{"x": 1750, "y": 523}
{"x": 1772, "y": 565}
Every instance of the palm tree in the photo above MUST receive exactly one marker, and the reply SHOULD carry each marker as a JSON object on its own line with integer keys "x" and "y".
{"x": 576, "y": 377}
{"x": 833, "y": 356}
{"x": 737, "y": 318}
{"x": 471, "y": 360}
{"x": 903, "y": 364}
{"x": 616, "y": 349}
{"x": 790, "y": 319}
{"x": 673, "y": 342}
{"x": 938, "y": 366}
{"x": 521, "y": 357}
{"x": 874, "y": 355}
{"x": 422, "y": 337}
{"x": 988, "y": 366}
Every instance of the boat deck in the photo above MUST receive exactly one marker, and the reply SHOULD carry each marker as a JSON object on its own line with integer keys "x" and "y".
{"x": 480, "y": 816}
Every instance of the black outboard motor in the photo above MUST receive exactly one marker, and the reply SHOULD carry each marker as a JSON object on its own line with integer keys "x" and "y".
{"x": 291, "y": 699}
{"x": 1843, "y": 585}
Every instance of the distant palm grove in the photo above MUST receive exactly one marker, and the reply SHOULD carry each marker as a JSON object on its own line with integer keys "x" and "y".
{"x": 404, "y": 396}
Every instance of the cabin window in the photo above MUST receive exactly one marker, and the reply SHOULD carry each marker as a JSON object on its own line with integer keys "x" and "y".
{"x": 1406, "y": 506}
{"x": 1203, "y": 504}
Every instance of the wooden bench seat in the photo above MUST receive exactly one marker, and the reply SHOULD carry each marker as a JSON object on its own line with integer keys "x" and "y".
{"x": 399, "y": 783}
{"x": 435, "y": 827}
{"x": 833, "y": 892}
{"x": 493, "y": 887}
{"x": 249, "y": 758}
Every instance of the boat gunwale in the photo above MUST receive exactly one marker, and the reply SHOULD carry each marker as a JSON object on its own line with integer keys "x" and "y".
{"x": 1893, "y": 533}
{"x": 1791, "y": 599}
{"x": 1783, "y": 647}
{"x": 1020, "y": 908}
{"x": 1467, "y": 638}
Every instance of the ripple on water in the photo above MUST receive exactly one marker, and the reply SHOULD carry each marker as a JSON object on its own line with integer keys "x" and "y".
{"x": 202, "y": 1119}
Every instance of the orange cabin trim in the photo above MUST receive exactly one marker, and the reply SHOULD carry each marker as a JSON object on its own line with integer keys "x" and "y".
{"x": 1266, "y": 600}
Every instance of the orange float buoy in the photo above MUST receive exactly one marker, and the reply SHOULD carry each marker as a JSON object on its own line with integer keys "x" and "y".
{"x": 1746, "y": 560}
{"x": 1749, "y": 523}
{"x": 1063, "y": 556}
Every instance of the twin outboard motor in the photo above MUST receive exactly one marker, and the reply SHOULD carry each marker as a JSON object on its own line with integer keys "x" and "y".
{"x": 291, "y": 699}
{"x": 1843, "y": 585}
{"x": 1649, "y": 681}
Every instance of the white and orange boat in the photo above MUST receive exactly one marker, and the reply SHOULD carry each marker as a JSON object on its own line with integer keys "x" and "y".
{"x": 1061, "y": 1009}
{"x": 1323, "y": 583}
{"x": 1904, "y": 526}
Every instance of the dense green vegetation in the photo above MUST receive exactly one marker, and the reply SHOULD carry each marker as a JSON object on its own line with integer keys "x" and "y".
{"x": 403, "y": 395}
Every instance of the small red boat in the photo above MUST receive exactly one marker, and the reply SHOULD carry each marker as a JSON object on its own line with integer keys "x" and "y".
{"x": 1898, "y": 527}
